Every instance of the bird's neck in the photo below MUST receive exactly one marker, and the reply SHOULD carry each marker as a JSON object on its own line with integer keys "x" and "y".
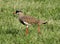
{"x": 21, "y": 15}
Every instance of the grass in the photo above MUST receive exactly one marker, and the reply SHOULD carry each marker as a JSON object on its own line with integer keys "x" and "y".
{"x": 13, "y": 32}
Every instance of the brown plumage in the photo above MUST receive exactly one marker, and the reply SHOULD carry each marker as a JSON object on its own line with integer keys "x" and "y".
{"x": 29, "y": 20}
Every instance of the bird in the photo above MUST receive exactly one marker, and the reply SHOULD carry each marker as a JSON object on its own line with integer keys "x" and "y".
{"x": 28, "y": 20}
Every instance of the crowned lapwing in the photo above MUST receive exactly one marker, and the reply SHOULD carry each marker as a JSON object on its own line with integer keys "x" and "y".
{"x": 28, "y": 20}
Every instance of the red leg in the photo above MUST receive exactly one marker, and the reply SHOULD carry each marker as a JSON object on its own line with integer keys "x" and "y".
{"x": 26, "y": 30}
{"x": 39, "y": 28}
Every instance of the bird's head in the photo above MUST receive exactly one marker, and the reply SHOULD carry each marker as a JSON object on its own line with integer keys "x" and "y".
{"x": 17, "y": 12}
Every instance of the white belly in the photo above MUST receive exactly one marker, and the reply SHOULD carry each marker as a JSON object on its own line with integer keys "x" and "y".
{"x": 27, "y": 23}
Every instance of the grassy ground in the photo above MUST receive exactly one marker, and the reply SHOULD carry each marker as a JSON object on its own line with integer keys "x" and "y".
{"x": 13, "y": 32}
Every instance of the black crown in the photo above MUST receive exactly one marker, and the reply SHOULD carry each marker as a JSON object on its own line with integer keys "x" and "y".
{"x": 18, "y": 11}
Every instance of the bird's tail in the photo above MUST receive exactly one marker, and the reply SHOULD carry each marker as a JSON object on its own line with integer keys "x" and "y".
{"x": 42, "y": 22}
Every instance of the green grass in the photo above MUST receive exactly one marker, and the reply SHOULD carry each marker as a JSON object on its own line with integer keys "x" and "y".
{"x": 13, "y": 32}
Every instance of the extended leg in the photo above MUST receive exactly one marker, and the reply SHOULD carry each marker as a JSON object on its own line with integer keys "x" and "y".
{"x": 39, "y": 28}
{"x": 26, "y": 30}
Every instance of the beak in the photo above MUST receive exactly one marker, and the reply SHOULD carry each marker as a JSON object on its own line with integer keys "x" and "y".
{"x": 14, "y": 12}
